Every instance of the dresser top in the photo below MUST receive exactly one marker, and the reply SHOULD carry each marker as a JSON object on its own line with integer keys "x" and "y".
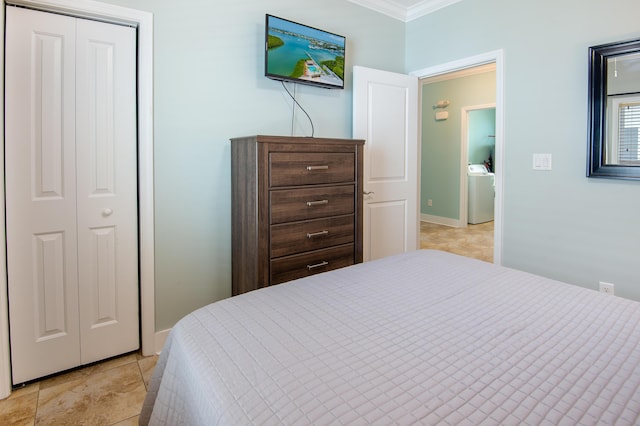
{"x": 298, "y": 139}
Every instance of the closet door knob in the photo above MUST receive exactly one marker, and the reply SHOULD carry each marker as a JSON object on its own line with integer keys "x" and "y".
{"x": 107, "y": 212}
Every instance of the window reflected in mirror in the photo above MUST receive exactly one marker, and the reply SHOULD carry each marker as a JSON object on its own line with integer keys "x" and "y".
{"x": 623, "y": 110}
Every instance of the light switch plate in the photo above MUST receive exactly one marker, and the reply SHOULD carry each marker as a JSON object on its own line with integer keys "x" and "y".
{"x": 541, "y": 161}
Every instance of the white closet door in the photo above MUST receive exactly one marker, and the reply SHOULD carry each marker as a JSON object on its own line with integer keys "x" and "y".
{"x": 64, "y": 247}
{"x": 41, "y": 193}
{"x": 106, "y": 189}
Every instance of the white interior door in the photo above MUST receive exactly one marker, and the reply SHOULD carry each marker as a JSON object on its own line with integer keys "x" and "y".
{"x": 70, "y": 149}
{"x": 385, "y": 114}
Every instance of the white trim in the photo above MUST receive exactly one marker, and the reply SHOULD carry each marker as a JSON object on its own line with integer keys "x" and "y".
{"x": 460, "y": 64}
{"x": 440, "y": 220}
{"x": 426, "y": 7}
{"x": 496, "y": 56}
{"x": 385, "y": 7}
{"x": 161, "y": 338}
{"x": 418, "y": 194}
{"x": 5, "y": 353}
{"x": 402, "y": 13}
{"x": 144, "y": 23}
{"x": 466, "y": 72}
{"x": 463, "y": 214}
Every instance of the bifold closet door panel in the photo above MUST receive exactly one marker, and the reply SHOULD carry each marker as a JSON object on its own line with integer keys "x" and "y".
{"x": 106, "y": 189}
{"x": 41, "y": 193}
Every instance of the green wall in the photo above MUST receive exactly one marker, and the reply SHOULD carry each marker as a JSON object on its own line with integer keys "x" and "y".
{"x": 441, "y": 140}
{"x": 556, "y": 223}
{"x": 209, "y": 86}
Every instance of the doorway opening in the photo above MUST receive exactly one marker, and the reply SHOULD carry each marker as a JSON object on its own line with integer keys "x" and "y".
{"x": 446, "y": 164}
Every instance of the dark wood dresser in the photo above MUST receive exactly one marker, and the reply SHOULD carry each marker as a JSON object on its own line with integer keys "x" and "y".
{"x": 296, "y": 208}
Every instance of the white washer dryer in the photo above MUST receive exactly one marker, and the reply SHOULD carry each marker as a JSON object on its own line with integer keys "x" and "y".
{"x": 481, "y": 194}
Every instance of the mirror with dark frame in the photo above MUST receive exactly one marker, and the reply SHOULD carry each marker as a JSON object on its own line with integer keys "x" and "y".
{"x": 614, "y": 110}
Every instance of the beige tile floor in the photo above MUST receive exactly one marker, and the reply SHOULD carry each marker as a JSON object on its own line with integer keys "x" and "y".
{"x": 473, "y": 241}
{"x": 109, "y": 393}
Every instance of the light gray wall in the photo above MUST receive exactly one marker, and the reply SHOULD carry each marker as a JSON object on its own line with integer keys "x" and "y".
{"x": 556, "y": 223}
{"x": 209, "y": 87}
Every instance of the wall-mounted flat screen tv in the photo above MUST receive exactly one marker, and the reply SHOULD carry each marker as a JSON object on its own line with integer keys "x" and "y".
{"x": 303, "y": 54}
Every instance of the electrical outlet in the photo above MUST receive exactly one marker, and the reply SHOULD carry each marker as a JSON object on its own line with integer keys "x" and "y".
{"x": 606, "y": 287}
{"x": 429, "y": 202}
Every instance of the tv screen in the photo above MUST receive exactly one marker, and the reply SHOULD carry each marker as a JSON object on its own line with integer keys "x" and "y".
{"x": 303, "y": 54}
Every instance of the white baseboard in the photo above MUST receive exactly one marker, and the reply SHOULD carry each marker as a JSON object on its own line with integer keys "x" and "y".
{"x": 161, "y": 337}
{"x": 456, "y": 223}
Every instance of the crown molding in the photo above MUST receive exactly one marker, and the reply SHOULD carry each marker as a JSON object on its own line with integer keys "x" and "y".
{"x": 385, "y": 7}
{"x": 426, "y": 7}
{"x": 403, "y": 13}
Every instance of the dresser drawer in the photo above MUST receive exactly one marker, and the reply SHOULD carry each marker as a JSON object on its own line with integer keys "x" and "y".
{"x": 302, "y": 168}
{"x": 291, "y": 205}
{"x": 302, "y": 265}
{"x": 311, "y": 235}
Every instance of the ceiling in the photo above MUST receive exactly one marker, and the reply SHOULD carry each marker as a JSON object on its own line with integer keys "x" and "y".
{"x": 405, "y": 10}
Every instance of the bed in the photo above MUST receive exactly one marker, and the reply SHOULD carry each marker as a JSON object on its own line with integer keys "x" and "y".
{"x": 425, "y": 337}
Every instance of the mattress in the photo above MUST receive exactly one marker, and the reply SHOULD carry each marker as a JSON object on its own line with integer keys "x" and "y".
{"x": 426, "y": 337}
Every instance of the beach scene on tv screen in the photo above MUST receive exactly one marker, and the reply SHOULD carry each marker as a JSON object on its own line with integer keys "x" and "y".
{"x": 299, "y": 52}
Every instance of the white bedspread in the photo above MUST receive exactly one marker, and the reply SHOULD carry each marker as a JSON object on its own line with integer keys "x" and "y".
{"x": 426, "y": 337}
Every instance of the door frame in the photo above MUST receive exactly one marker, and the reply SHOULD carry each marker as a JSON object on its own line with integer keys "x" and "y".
{"x": 143, "y": 21}
{"x": 496, "y": 56}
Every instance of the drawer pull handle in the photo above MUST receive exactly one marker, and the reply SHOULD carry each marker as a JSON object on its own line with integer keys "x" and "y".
{"x": 317, "y": 265}
{"x": 313, "y": 168}
{"x": 317, "y": 203}
{"x": 317, "y": 234}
